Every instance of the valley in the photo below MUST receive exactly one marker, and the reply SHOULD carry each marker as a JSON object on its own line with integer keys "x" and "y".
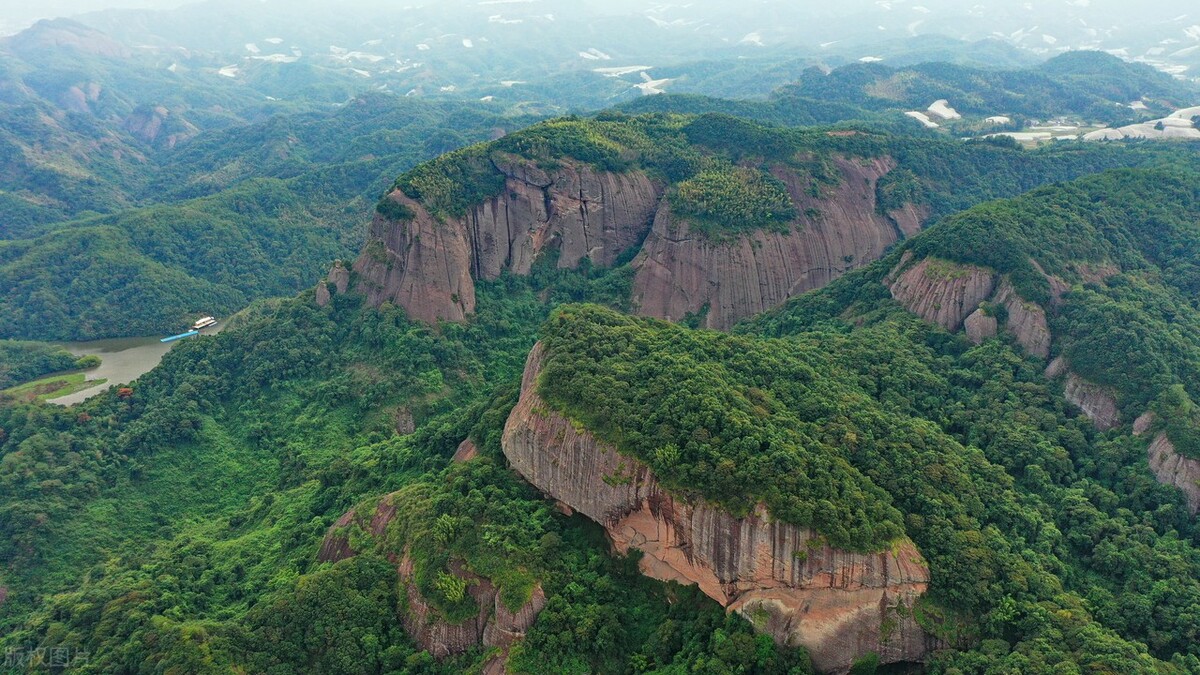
{"x": 600, "y": 339}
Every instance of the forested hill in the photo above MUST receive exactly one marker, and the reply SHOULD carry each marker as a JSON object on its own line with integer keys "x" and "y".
{"x": 182, "y": 522}
{"x": 715, "y": 217}
{"x": 1092, "y": 85}
{"x": 234, "y": 215}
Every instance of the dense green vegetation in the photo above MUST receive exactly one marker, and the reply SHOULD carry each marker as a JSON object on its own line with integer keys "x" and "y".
{"x": 732, "y": 200}
{"x": 1042, "y": 535}
{"x": 173, "y": 525}
{"x": 177, "y": 522}
{"x": 289, "y": 198}
{"x": 649, "y": 389}
{"x": 24, "y": 361}
{"x": 1127, "y": 242}
{"x": 711, "y": 157}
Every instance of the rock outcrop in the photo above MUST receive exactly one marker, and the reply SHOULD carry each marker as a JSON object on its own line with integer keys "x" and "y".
{"x": 949, "y": 294}
{"x": 680, "y": 273}
{"x": 428, "y": 265}
{"x": 837, "y": 604}
{"x": 494, "y": 626}
{"x": 941, "y": 292}
{"x": 339, "y": 277}
{"x": 1168, "y": 466}
{"x": 1026, "y": 320}
{"x": 465, "y": 452}
{"x": 155, "y": 125}
{"x": 980, "y": 326}
{"x": 1097, "y": 402}
{"x": 1172, "y": 468}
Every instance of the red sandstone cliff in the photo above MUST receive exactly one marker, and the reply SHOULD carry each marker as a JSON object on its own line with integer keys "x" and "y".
{"x": 679, "y": 272}
{"x": 428, "y": 266}
{"x": 837, "y": 604}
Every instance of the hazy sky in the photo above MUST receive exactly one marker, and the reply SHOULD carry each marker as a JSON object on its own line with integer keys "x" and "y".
{"x": 16, "y": 14}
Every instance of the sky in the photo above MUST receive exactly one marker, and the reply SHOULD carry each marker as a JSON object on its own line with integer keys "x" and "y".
{"x": 17, "y": 14}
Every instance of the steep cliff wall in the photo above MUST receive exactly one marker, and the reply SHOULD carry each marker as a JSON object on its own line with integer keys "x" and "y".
{"x": 1170, "y": 467}
{"x": 420, "y": 264}
{"x": 949, "y": 294}
{"x": 679, "y": 272}
{"x": 427, "y": 265}
{"x": 1026, "y": 320}
{"x": 837, "y": 604}
{"x": 1098, "y": 403}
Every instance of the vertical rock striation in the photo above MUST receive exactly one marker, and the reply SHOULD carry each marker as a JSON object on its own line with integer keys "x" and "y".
{"x": 428, "y": 265}
{"x": 1172, "y": 468}
{"x": 941, "y": 292}
{"x": 679, "y": 272}
{"x": 838, "y": 604}
{"x": 1097, "y": 402}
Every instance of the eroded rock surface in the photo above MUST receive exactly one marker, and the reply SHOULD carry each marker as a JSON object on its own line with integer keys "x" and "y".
{"x": 494, "y": 626}
{"x": 941, "y": 292}
{"x": 681, "y": 273}
{"x": 428, "y": 266}
{"x": 979, "y": 326}
{"x": 1172, "y": 468}
{"x": 1026, "y": 320}
{"x": 837, "y": 604}
{"x": 1097, "y": 402}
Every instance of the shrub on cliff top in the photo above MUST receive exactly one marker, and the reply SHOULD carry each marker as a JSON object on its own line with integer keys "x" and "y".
{"x": 734, "y": 420}
{"x": 731, "y": 200}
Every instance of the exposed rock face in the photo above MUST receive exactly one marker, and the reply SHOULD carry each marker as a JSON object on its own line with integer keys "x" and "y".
{"x": 405, "y": 424}
{"x": 1143, "y": 423}
{"x": 155, "y": 125}
{"x": 339, "y": 276}
{"x": 1026, "y": 321}
{"x": 466, "y": 451}
{"x": 1171, "y": 468}
{"x": 980, "y": 326}
{"x": 494, "y": 626}
{"x": 1097, "y": 402}
{"x": 1056, "y": 367}
{"x": 949, "y": 294}
{"x": 941, "y": 292}
{"x": 679, "y": 272}
{"x": 837, "y": 604}
{"x": 421, "y": 265}
{"x": 336, "y": 545}
{"x": 426, "y": 265}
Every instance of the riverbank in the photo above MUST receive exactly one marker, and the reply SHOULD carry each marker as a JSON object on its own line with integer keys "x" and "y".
{"x": 122, "y": 360}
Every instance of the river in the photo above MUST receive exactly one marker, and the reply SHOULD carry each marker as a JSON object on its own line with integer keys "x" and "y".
{"x": 122, "y": 360}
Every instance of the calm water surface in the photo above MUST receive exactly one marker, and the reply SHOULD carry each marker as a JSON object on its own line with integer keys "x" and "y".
{"x": 122, "y": 360}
